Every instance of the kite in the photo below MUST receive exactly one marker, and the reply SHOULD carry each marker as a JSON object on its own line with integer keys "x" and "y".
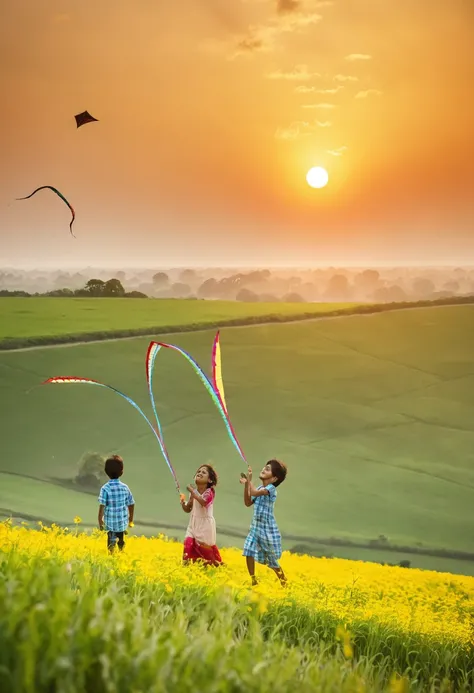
{"x": 84, "y": 118}
{"x": 59, "y": 380}
{"x": 50, "y": 187}
{"x": 215, "y": 387}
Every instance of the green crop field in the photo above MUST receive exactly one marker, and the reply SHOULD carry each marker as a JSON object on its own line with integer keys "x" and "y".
{"x": 374, "y": 416}
{"x": 52, "y": 317}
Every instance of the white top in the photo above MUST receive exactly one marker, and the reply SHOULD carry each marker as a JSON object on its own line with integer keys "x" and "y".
{"x": 202, "y": 525}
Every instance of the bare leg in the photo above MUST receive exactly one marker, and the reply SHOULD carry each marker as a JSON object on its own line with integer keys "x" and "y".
{"x": 281, "y": 575}
{"x": 251, "y": 568}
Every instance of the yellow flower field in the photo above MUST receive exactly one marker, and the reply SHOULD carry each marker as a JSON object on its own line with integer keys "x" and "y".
{"x": 439, "y": 607}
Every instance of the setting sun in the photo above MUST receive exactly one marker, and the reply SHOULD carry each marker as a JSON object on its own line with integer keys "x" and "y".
{"x": 317, "y": 177}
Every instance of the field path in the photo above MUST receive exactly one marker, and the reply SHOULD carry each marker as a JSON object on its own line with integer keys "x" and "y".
{"x": 179, "y": 328}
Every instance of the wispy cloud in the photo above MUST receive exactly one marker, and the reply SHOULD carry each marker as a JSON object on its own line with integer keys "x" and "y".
{"x": 322, "y": 106}
{"x": 337, "y": 152}
{"x": 345, "y": 78}
{"x": 297, "y": 129}
{"x": 299, "y": 73}
{"x": 330, "y": 91}
{"x": 352, "y": 57}
{"x": 262, "y": 38}
{"x": 368, "y": 92}
{"x": 300, "y": 128}
{"x": 304, "y": 89}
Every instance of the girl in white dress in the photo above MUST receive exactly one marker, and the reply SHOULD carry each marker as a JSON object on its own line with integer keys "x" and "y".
{"x": 200, "y": 538}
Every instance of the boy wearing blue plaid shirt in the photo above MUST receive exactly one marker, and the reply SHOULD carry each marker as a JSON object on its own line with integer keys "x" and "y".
{"x": 116, "y": 504}
{"x": 263, "y": 542}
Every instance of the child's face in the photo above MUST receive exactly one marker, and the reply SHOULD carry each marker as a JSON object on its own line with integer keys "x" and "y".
{"x": 267, "y": 474}
{"x": 202, "y": 476}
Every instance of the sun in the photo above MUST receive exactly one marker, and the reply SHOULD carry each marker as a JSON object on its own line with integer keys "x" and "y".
{"x": 317, "y": 177}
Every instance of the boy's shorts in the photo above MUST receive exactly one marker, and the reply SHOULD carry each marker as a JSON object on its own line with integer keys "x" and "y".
{"x": 113, "y": 537}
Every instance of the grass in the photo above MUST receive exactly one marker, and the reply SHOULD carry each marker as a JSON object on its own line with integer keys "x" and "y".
{"x": 32, "y": 318}
{"x": 373, "y": 414}
{"x": 74, "y": 619}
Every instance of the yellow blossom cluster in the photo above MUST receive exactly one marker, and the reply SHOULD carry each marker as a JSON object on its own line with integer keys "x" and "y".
{"x": 435, "y": 606}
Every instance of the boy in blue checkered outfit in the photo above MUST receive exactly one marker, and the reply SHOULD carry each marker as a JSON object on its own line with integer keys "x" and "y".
{"x": 263, "y": 543}
{"x": 116, "y": 504}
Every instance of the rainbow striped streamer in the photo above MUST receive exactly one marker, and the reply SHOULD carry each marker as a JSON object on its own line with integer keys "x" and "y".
{"x": 60, "y": 380}
{"x": 214, "y": 387}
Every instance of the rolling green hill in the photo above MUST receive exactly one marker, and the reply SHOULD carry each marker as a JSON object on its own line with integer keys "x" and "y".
{"x": 374, "y": 416}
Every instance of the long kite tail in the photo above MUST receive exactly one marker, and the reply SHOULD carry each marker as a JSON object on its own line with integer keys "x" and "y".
{"x": 60, "y": 380}
{"x": 153, "y": 351}
{"x": 55, "y": 190}
{"x": 151, "y": 355}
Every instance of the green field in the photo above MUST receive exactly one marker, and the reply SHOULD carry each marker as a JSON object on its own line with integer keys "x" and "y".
{"x": 53, "y": 317}
{"x": 373, "y": 414}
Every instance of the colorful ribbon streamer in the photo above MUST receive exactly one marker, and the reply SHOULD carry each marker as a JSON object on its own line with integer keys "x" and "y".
{"x": 67, "y": 380}
{"x": 215, "y": 388}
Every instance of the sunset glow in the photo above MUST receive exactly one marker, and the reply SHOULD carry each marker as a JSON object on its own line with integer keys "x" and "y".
{"x": 210, "y": 114}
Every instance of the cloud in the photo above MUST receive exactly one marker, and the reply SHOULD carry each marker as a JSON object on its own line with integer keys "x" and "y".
{"x": 345, "y": 78}
{"x": 329, "y": 91}
{"x": 288, "y": 6}
{"x": 297, "y": 129}
{"x": 337, "y": 152}
{"x": 263, "y": 37}
{"x": 299, "y": 73}
{"x": 304, "y": 89}
{"x": 368, "y": 92}
{"x": 325, "y": 106}
{"x": 357, "y": 56}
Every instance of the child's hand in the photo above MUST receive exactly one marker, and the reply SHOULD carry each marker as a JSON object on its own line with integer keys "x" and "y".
{"x": 243, "y": 478}
{"x": 190, "y": 488}
{"x": 249, "y": 474}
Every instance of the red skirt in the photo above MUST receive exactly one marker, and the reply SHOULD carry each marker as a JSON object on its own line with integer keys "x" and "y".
{"x": 194, "y": 551}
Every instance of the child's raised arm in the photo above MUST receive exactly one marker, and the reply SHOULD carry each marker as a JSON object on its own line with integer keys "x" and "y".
{"x": 247, "y": 494}
{"x": 195, "y": 495}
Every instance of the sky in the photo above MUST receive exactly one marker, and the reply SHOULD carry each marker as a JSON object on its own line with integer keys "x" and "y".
{"x": 210, "y": 114}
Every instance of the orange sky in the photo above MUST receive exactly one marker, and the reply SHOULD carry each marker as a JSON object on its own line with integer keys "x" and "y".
{"x": 212, "y": 111}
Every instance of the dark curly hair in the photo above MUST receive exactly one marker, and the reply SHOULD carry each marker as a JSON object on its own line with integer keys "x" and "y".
{"x": 213, "y": 478}
{"x": 114, "y": 467}
{"x": 279, "y": 470}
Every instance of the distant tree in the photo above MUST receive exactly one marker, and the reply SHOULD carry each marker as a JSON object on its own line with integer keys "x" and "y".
{"x": 389, "y": 294}
{"x": 367, "y": 281}
{"x": 180, "y": 290}
{"x": 423, "y": 287}
{"x": 452, "y": 287}
{"x": 61, "y": 292}
{"x": 269, "y": 298}
{"x": 247, "y": 296}
{"x": 113, "y": 288}
{"x": 208, "y": 289}
{"x": 293, "y": 297}
{"x": 188, "y": 276}
{"x": 135, "y": 294}
{"x": 13, "y": 294}
{"x": 95, "y": 287}
{"x": 160, "y": 280}
{"x": 338, "y": 288}
{"x": 121, "y": 276}
{"x": 91, "y": 474}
